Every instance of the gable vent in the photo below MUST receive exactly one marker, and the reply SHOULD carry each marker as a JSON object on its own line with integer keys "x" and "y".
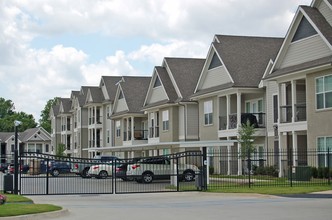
{"x": 304, "y": 30}
{"x": 215, "y": 62}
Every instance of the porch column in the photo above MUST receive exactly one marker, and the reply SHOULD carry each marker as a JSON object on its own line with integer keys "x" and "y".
{"x": 239, "y": 160}
{"x": 229, "y": 160}
{"x": 228, "y": 109}
{"x": 238, "y": 109}
{"x": 279, "y": 102}
{"x": 295, "y": 149}
{"x": 132, "y": 128}
{"x": 293, "y": 100}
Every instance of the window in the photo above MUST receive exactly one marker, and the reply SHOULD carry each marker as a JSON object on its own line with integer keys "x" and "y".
{"x": 324, "y": 144}
{"x": 47, "y": 149}
{"x": 118, "y": 128}
{"x": 165, "y": 121}
{"x": 275, "y": 108}
{"x": 108, "y": 136}
{"x": 324, "y": 92}
{"x": 208, "y": 111}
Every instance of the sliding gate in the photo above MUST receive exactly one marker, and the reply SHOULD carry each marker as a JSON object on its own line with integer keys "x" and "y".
{"x": 43, "y": 174}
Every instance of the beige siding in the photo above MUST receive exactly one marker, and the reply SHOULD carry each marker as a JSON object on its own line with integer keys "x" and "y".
{"x": 192, "y": 122}
{"x": 319, "y": 121}
{"x": 208, "y": 132}
{"x": 157, "y": 94}
{"x": 181, "y": 123}
{"x": 271, "y": 89}
{"x": 172, "y": 134}
{"x": 326, "y": 12}
{"x": 215, "y": 77}
{"x": 305, "y": 50}
{"x": 121, "y": 105}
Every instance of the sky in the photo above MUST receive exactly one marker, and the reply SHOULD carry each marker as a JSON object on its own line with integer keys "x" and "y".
{"x": 49, "y": 48}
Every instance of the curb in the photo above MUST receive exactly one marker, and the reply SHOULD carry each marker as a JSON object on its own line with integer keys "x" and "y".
{"x": 39, "y": 216}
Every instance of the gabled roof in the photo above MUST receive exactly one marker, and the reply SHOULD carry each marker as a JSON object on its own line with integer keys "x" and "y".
{"x": 134, "y": 90}
{"x": 166, "y": 82}
{"x": 31, "y": 132}
{"x": 323, "y": 29}
{"x": 4, "y": 136}
{"x": 246, "y": 57}
{"x": 55, "y": 109}
{"x": 185, "y": 72}
{"x": 95, "y": 94}
{"x": 110, "y": 84}
{"x": 65, "y": 105}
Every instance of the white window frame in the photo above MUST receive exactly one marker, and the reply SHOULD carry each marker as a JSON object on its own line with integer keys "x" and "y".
{"x": 208, "y": 112}
{"x": 165, "y": 115}
{"x": 322, "y": 151}
{"x": 322, "y": 92}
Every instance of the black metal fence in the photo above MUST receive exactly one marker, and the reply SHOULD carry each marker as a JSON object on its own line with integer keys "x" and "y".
{"x": 228, "y": 168}
{"x": 52, "y": 175}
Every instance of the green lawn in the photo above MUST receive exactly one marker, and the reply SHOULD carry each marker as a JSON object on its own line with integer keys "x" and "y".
{"x": 20, "y": 205}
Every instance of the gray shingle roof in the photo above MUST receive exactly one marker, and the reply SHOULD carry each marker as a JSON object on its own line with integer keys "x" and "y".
{"x": 246, "y": 58}
{"x": 166, "y": 82}
{"x": 55, "y": 109}
{"x": 186, "y": 72}
{"x": 96, "y": 94}
{"x": 66, "y": 103}
{"x": 5, "y": 135}
{"x": 134, "y": 90}
{"x": 110, "y": 82}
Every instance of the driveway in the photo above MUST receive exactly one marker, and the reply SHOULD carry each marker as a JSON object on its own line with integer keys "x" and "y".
{"x": 191, "y": 205}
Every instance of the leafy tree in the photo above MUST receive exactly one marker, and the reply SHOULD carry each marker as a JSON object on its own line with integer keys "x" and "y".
{"x": 246, "y": 139}
{"x": 8, "y": 116}
{"x": 44, "y": 120}
{"x": 60, "y": 150}
{"x": 6, "y": 107}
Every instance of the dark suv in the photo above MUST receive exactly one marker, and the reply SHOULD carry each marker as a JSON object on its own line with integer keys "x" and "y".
{"x": 57, "y": 167}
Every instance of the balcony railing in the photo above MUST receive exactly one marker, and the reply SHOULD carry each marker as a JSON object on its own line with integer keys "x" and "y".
{"x": 286, "y": 114}
{"x": 256, "y": 119}
{"x": 140, "y": 134}
{"x": 301, "y": 112}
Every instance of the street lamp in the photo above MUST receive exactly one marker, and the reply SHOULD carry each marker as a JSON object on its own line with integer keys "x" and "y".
{"x": 16, "y": 165}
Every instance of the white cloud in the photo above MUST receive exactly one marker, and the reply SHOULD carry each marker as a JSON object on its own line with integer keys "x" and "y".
{"x": 31, "y": 76}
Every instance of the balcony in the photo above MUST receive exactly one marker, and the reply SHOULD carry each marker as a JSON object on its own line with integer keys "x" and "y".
{"x": 256, "y": 119}
{"x": 286, "y": 113}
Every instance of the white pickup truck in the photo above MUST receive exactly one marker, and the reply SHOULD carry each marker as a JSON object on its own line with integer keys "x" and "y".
{"x": 148, "y": 169}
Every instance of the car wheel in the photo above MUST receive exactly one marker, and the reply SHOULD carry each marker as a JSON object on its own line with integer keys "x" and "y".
{"x": 103, "y": 174}
{"x": 55, "y": 172}
{"x": 188, "y": 176}
{"x": 147, "y": 177}
{"x": 85, "y": 173}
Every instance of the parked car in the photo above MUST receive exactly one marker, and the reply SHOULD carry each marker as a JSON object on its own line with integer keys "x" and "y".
{"x": 23, "y": 168}
{"x": 3, "y": 167}
{"x": 81, "y": 166}
{"x": 149, "y": 169}
{"x": 55, "y": 168}
{"x": 101, "y": 171}
{"x": 121, "y": 169}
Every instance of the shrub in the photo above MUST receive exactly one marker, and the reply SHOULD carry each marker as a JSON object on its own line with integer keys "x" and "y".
{"x": 3, "y": 199}
{"x": 270, "y": 170}
{"x": 314, "y": 172}
{"x": 211, "y": 170}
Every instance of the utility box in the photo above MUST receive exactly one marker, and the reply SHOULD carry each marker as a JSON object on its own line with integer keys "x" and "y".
{"x": 8, "y": 185}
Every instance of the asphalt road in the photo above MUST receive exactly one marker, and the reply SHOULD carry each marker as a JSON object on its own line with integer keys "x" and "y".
{"x": 192, "y": 205}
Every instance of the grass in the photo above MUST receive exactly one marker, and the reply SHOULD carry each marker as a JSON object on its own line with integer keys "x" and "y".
{"x": 20, "y": 205}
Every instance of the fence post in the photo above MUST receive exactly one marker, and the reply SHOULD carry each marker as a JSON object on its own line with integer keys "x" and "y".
{"x": 177, "y": 174}
{"x": 47, "y": 175}
{"x": 204, "y": 174}
{"x": 328, "y": 165}
{"x": 249, "y": 165}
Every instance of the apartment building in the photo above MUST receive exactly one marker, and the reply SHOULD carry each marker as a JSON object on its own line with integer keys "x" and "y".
{"x": 228, "y": 92}
{"x": 299, "y": 87}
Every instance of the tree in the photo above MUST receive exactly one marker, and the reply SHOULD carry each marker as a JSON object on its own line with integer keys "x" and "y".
{"x": 6, "y": 107}
{"x": 246, "y": 139}
{"x": 44, "y": 120}
{"x": 60, "y": 150}
{"x": 8, "y": 116}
